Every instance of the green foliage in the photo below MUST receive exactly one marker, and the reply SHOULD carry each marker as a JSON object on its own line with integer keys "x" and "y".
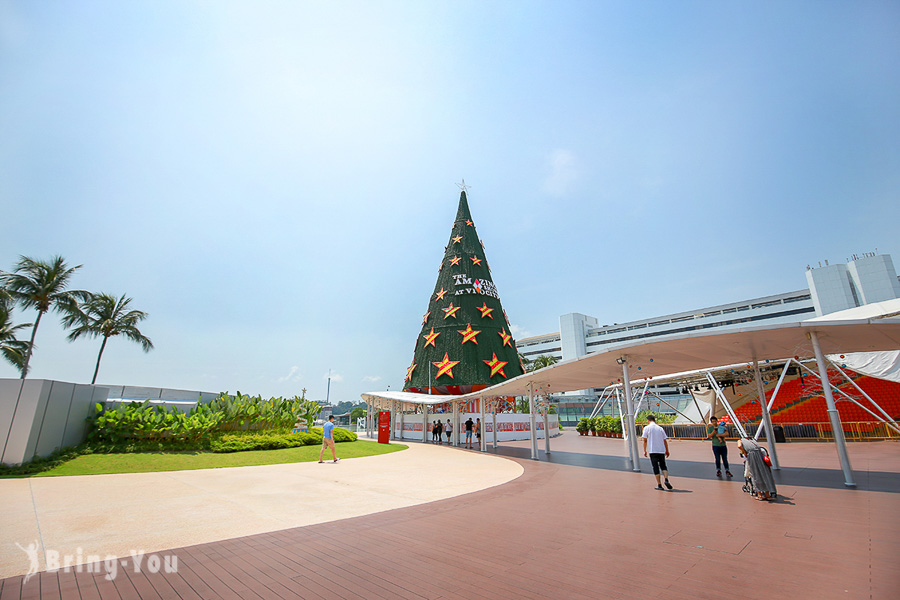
{"x": 106, "y": 316}
{"x": 260, "y": 440}
{"x": 358, "y": 412}
{"x": 340, "y": 434}
{"x": 541, "y": 362}
{"x": 583, "y": 425}
{"x": 661, "y": 418}
{"x": 144, "y": 421}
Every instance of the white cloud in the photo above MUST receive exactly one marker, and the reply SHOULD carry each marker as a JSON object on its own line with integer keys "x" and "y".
{"x": 293, "y": 375}
{"x": 372, "y": 378}
{"x": 562, "y": 171}
{"x": 335, "y": 377}
{"x": 518, "y": 333}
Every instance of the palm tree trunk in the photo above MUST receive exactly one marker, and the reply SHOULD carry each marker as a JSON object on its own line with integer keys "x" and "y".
{"x": 31, "y": 344}
{"x": 99, "y": 356}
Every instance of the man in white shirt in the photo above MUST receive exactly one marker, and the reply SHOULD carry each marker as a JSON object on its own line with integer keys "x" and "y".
{"x": 655, "y": 441}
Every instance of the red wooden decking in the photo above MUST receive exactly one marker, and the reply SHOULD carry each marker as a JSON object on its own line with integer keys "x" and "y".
{"x": 576, "y": 526}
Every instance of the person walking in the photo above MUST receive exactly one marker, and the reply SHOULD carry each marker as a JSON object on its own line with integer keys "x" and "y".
{"x": 448, "y": 429}
{"x": 439, "y": 430}
{"x": 716, "y": 432}
{"x": 656, "y": 442}
{"x": 469, "y": 426}
{"x": 478, "y": 431}
{"x": 433, "y": 431}
{"x": 328, "y": 439}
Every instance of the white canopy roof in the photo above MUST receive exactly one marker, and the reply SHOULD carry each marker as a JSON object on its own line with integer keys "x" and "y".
{"x": 687, "y": 352}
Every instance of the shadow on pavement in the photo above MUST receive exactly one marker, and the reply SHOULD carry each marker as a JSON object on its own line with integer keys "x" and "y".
{"x": 874, "y": 481}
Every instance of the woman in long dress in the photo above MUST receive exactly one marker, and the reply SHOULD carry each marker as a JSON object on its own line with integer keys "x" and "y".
{"x": 755, "y": 466}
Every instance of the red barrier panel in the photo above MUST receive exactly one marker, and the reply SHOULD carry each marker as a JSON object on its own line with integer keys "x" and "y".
{"x": 384, "y": 427}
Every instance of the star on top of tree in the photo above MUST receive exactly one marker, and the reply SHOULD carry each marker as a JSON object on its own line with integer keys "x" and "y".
{"x": 462, "y": 186}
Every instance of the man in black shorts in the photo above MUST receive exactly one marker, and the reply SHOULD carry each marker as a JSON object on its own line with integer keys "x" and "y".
{"x": 659, "y": 450}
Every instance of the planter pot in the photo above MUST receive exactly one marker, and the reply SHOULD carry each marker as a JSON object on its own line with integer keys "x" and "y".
{"x": 593, "y": 433}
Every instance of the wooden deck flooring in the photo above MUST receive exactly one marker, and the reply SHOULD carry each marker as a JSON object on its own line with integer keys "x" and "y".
{"x": 575, "y": 526}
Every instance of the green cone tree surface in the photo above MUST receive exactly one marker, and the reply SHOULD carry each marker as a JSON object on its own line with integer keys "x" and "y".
{"x": 465, "y": 343}
{"x": 104, "y": 315}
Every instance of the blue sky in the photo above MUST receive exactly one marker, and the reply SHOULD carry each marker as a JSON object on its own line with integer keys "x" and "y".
{"x": 274, "y": 181}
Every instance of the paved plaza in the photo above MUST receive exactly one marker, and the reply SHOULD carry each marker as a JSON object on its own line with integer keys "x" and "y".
{"x": 450, "y": 523}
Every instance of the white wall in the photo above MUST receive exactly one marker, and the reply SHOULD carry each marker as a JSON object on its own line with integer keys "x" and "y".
{"x": 37, "y": 416}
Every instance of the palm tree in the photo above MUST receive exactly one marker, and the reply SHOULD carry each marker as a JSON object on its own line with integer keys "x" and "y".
{"x": 12, "y": 349}
{"x": 41, "y": 285}
{"x": 104, "y": 315}
{"x": 544, "y": 360}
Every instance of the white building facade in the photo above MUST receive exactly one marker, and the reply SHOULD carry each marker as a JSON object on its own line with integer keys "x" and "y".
{"x": 866, "y": 279}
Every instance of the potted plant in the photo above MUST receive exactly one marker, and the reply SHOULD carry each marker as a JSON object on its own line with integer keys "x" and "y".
{"x": 592, "y": 425}
{"x": 616, "y": 427}
{"x": 582, "y": 426}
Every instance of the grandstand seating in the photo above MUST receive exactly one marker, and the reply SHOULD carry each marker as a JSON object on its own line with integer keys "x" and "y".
{"x": 804, "y": 403}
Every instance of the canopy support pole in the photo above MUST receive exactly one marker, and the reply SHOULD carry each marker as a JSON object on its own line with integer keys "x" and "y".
{"x": 854, "y": 401}
{"x": 494, "y": 423}
{"x": 721, "y": 396}
{"x": 425, "y": 423}
{"x": 482, "y": 442}
{"x": 629, "y": 417}
{"x": 534, "y": 450}
{"x": 767, "y": 418}
{"x": 454, "y": 437}
{"x": 697, "y": 405}
{"x": 599, "y": 407}
{"x": 547, "y": 431}
{"x": 837, "y": 429}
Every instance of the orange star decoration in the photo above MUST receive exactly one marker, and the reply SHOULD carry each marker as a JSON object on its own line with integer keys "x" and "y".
{"x": 430, "y": 337}
{"x": 485, "y": 311}
{"x": 506, "y": 338}
{"x": 468, "y": 334}
{"x": 469, "y": 223}
{"x": 476, "y": 260}
{"x": 425, "y": 318}
{"x": 496, "y": 365}
{"x": 409, "y": 371}
{"x": 454, "y": 261}
{"x": 441, "y": 294}
{"x": 445, "y": 367}
{"x": 457, "y": 239}
{"x": 451, "y": 311}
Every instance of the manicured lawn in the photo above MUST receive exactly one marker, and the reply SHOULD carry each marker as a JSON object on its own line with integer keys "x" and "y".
{"x": 96, "y": 464}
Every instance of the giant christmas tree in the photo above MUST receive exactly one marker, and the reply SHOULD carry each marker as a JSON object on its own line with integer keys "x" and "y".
{"x": 465, "y": 344}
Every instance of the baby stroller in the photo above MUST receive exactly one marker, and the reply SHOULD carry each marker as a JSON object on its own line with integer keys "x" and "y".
{"x": 760, "y": 461}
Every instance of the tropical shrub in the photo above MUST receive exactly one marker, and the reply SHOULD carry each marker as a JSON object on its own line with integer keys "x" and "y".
{"x": 267, "y": 440}
{"x": 142, "y": 420}
{"x": 340, "y": 434}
